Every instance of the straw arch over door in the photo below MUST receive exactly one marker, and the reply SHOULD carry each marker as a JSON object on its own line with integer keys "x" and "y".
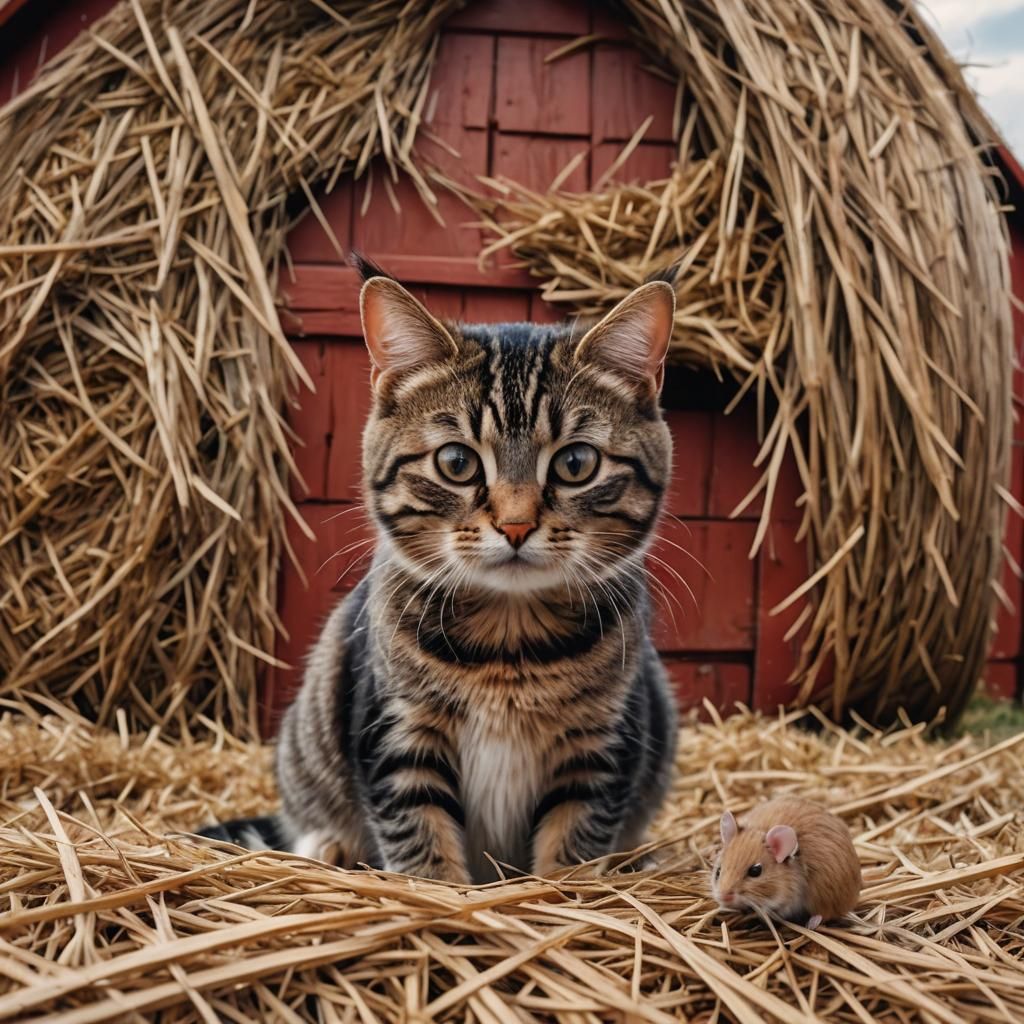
{"x": 144, "y": 371}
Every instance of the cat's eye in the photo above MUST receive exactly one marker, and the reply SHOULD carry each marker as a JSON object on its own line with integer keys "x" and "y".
{"x": 754, "y": 871}
{"x": 575, "y": 463}
{"x": 458, "y": 463}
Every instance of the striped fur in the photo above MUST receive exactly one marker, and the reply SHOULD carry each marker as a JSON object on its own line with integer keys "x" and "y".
{"x": 471, "y": 698}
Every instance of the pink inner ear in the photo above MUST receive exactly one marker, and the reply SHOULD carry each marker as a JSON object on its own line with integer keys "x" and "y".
{"x": 728, "y": 827}
{"x": 781, "y": 840}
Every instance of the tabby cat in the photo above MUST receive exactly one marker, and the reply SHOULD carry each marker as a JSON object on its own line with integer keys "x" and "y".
{"x": 490, "y": 689}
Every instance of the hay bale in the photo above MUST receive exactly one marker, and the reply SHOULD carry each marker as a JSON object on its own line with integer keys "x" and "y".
{"x": 143, "y": 371}
{"x": 847, "y": 260}
{"x": 102, "y": 913}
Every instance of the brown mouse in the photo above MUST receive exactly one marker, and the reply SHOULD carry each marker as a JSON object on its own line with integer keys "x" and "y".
{"x": 790, "y": 859}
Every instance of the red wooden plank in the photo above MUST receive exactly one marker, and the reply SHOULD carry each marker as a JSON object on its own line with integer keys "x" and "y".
{"x": 782, "y": 567}
{"x": 536, "y": 161}
{"x": 711, "y": 556}
{"x": 545, "y": 312}
{"x": 310, "y": 420}
{"x": 724, "y": 684}
{"x": 326, "y": 286}
{"x": 411, "y": 229}
{"x": 462, "y": 80}
{"x": 319, "y": 323}
{"x": 625, "y": 94}
{"x": 1002, "y": 680}
{"x": 533, "y": 96}
{"x": 348, "y": 376}
{"x": 648, "y": 162}
{"x": 444, "y": 302}
{"x": 34, "y": 34}
{"x": 320, "y": 286}
{"x": 308, "y": 242}
{"x": 691, "y": 462}
{"x": 733, "y": 474}
{"x": 332, "y": 563}
{"x": 482, "y": 306}
{"x": 1007, "y": 642}
{"x": 557, "y": 17}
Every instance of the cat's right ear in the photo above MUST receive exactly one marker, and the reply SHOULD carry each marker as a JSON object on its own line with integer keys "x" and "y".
{"x": 400, "y": 333}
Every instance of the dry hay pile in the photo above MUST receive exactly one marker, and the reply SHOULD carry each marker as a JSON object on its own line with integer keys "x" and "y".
{"x": 143, "y": 371}
{"x": 843, "y": 256}
{"x": 103, "y": 914}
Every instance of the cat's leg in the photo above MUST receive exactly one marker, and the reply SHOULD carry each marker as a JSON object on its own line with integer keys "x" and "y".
{"x": 604, "y": 794}
{"x": 321, "y": 814}
{"x": 583, "y": 826}
{"x": 581, "y": 814}
{"x": 656, "y": 740}
{"x": 416, "y": 815}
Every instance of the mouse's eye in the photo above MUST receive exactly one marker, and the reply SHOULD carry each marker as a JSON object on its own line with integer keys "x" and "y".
{"x": 754, "y": 871}
{"x": 458, "y": 462}
{"x": 718, "y": 873}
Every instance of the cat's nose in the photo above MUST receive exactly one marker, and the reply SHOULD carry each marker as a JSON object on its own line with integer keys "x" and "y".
{"x": 516, "y": 533}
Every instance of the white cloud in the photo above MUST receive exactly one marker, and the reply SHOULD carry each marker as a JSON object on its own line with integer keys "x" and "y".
{"x": 953, "y": 17}
{"x": 994, "y": 52}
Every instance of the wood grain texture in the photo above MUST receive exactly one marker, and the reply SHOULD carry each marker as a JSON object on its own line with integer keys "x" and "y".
{"x": 716, "y": 613}
{"x": 723, "y": 683}
{"x": 625, "y": 93}
{"x": 538, "y": 97}
{"x": 536, "y": 161}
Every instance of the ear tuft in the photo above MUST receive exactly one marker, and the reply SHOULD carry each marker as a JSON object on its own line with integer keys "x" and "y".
{"x": 633, "y": 338}
{"x": 365, "y": 267}
{"x": 400, "y": 333}
{"x": 781, "y": 840}
{"x": 728, "y": 828}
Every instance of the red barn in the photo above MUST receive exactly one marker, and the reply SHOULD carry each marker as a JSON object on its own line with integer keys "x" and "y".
{"x": 509, "y": 111}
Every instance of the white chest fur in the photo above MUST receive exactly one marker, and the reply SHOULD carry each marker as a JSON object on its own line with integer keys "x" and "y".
{"x": 499, "y": 774}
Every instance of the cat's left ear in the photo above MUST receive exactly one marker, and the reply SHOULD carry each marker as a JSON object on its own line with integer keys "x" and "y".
{"x": 400, "y": 333}
{"x": 632, "y": 339}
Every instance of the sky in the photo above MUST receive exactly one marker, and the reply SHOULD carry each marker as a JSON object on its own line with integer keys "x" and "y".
{"x": 988, "y": 36}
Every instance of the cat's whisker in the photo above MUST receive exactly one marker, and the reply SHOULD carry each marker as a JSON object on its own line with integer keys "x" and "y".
{"x": 358, "y": 507}
{"x": 653, "y": 579}
{"x": 344, "y": 551}
{"x": 412, "y": 598}
{"x": 660, "y": 539}
{"x": 352, "y": 565}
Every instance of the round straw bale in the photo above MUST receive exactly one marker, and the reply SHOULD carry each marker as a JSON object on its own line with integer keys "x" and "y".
{"x": 843, "y": 255}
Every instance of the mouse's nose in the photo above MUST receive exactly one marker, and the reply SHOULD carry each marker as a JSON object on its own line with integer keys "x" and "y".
{"x": 516, "y": 533}
{"x": 728, "y": 898}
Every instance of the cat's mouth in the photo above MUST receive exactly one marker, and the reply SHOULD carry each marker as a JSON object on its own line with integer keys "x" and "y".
{"x": 516, "y": 559}
{"x": 517, "y": 572}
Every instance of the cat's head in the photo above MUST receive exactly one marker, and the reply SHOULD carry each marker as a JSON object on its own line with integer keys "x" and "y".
{"x": 516, "y": 457}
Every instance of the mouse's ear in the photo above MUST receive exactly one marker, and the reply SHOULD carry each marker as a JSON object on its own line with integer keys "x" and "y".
{"x": 781, "y": 840}
{"x": 728, "y": 828}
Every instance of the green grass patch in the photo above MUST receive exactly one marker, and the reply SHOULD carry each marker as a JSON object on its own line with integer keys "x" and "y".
{"x": 999, "y": 719}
